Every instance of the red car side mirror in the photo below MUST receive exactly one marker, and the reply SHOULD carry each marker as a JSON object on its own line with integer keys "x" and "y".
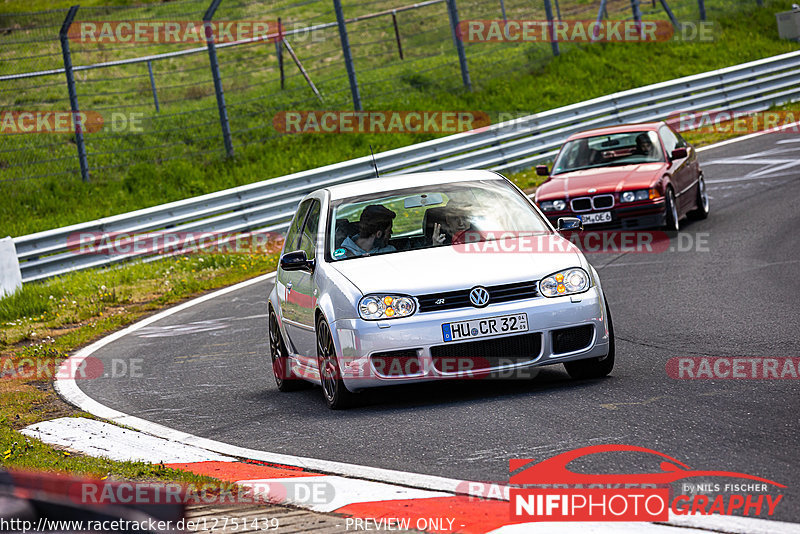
{"x": 542, "y": 170}
{"x": 680, "y": 153}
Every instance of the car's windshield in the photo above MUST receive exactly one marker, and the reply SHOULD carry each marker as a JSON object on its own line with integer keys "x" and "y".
{"x": 436, "y": 215}
{"x": 628, "y": 148}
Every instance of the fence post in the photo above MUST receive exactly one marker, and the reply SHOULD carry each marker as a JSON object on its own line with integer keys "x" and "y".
{"x": 73, "y": 95}
{"x": 452, "y": 11}
{"x": 670, "y": 14}
{"x": 153, "y": 85}
{"x": 548, "y": 10}
{"x": 212, "y": 56}
{"x": 348, "y": 58}
{"x": 600, "y": 13}
{"x": 702, "y": 5}
{"x": 637, "y": 16}
{"x": 279, "y": 51}
{"x": 397, "y": 34}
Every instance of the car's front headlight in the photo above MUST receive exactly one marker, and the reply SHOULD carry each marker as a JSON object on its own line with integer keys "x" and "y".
{"x": 641, "y": 194}
{"x": 375, "y": 307}
{"x": 566, "y": 282}
{"x": 553, "y": 205}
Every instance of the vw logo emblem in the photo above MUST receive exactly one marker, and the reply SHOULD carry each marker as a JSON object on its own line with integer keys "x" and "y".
{"x": 479, "y": 297}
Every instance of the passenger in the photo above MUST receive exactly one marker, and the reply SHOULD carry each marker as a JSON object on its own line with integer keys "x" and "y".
{"x": 374, "y": 232}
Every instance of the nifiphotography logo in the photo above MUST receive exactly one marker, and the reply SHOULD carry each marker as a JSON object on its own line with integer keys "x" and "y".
{"x": 550, "y": 491}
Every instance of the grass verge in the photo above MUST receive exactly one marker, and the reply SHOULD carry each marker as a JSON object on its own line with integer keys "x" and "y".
{"x": 41, "y": 324}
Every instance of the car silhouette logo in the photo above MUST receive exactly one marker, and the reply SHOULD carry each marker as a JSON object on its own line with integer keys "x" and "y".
{"x": 479, "y": 297}
{"x": 554, "y": 470}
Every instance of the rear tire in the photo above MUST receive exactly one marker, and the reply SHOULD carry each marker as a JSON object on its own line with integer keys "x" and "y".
{"x": 595, "y": 367}
{"x": 284, "y": 378}
{"x": 702, "y": 202}
{"x": 336, "y": 394}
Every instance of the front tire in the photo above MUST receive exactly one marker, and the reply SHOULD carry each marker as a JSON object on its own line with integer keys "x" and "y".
{"x": 671, "y": 222}
{"x": 595, "y": 367}
{"x": 284, "y": 378}
{"x": 702, "y": 202}
{"x": 336, "y": 394}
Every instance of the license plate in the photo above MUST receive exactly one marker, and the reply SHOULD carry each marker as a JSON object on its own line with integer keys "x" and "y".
{"x": 490, "y": 326}
{"x": 593, "y": 218}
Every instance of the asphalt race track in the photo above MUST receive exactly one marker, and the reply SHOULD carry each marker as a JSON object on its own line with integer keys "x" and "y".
{"x": 729, "y": 288}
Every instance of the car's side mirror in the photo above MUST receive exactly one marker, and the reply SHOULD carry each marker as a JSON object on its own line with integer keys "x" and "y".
{"x": 296, "y": 261}
{"x": 542, "y": 170}
{"x": 569, "y": 224}
{"x": 680, "y": 153}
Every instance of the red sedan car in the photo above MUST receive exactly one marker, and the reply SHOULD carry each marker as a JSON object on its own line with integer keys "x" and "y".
{"x": 630, "y": 176}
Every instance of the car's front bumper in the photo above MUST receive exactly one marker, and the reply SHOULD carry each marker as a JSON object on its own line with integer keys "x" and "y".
{"x": 637, "y": 215}
{"x": 356, "y": 340}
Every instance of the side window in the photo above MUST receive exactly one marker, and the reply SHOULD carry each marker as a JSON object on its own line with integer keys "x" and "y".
{"x": 308, "y": 237}
{"x": 293, "y": 235}
{"x": 681, "y": 141}
{"x": 670, "y": 139}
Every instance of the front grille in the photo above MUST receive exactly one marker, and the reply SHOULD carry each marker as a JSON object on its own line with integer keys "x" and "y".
{"x": 460, "y": 299}
{"x": 397, "y": 363}
{"x": 603, "y": 202}
{"x": 581, "y": 204}
{"x": 572, "y": 339}
{"x": 486, "y": 353}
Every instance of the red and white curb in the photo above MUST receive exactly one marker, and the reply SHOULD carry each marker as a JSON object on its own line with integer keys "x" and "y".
{"x": 375, "y": 503}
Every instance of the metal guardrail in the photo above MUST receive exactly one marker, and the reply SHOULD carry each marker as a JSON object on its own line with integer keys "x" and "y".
{"x": 506, "y": 147}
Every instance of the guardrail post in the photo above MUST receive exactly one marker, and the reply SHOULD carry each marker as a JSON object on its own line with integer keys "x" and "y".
{"x": 73, "y": 95}
{"x": 452, "y": 11}
{"x": 212, "y": 56}
{"x": 701, "y": 4}
{"x": 348, "y": 58}
{"x": 548, "y": 10}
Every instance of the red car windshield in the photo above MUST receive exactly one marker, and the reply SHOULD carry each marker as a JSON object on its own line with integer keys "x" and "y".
{"x": 628, "y": 148}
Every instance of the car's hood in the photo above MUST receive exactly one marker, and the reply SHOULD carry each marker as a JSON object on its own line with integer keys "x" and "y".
{"x": 603, "y": 179}
{"x": 448, "y": 268}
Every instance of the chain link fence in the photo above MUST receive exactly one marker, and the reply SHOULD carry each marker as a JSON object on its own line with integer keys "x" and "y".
{"x": 146, "y": 101}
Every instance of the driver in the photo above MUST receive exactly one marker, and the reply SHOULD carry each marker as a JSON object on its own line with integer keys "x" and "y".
{"x": 644, "y": 145}
{"x": 374, "y": 232}
{"x": 457, "y": 227}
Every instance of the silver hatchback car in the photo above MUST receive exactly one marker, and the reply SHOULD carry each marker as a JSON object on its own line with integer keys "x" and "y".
{"x": 431, "y": 276}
